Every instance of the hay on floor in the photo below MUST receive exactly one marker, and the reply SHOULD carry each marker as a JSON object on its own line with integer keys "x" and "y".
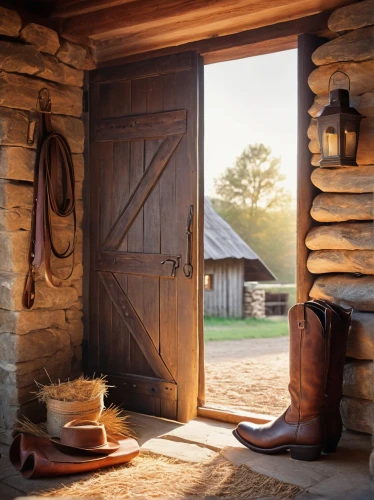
{"x": 162, "y": 478}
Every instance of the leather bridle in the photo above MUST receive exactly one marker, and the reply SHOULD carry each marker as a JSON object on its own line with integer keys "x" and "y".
{"x": 54, "y": 185}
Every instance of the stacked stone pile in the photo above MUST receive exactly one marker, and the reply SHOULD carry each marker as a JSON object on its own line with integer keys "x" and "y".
{"x": 254, "y": 302}
{"x": 342, "y": 245}
{"x": 50, "y": 335}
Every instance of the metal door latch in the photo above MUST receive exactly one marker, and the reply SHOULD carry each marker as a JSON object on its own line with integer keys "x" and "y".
{"x": 187, "y": 268}
{"x": 175, "y": 263}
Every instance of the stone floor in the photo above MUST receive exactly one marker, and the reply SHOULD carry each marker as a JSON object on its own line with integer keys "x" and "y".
{"x": 342, "y": 475}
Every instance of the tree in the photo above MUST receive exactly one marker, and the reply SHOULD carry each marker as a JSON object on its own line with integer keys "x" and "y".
{"x": 254, "y": 202}
{"x": 254, "y": 182}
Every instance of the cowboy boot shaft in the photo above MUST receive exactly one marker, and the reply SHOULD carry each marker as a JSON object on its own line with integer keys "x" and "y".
{"x": 309, "y": 349}
{"x": 340, "y": 324}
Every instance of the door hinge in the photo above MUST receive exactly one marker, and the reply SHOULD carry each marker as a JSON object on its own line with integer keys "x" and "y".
{"x": 85, "y": 101}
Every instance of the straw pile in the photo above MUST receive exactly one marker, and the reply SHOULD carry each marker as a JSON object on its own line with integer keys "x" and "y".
{"x": 149, "y": 477}
{"x": 25, "y": 426}
{"x": 115, "y": 422}
{"x": 81, "y": 389}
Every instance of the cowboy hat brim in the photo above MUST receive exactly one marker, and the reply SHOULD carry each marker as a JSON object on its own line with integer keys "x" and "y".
{"x": 111, "y": 446}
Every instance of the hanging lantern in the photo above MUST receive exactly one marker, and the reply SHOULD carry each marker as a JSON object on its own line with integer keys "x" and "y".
{"x": 338, "y": 129}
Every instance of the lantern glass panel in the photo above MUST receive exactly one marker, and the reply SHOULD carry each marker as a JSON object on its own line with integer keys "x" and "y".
{"x": 350, "y": 139}
{"x": 330, "y": 142}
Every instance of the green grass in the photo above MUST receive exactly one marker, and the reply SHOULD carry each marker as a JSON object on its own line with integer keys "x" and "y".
{"x": 237, "y": 329}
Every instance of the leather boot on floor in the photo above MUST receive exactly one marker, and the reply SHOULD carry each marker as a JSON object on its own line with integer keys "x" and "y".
{"x": 340, "y": 323}
{"x": 301, "y": 427}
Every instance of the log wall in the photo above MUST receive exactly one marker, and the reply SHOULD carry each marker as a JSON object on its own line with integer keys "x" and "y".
{"x": 48, "y": 337}
{"x": 342, "y": 245}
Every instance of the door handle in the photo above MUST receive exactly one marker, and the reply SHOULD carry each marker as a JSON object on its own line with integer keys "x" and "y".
{"x": 187, "y": 268}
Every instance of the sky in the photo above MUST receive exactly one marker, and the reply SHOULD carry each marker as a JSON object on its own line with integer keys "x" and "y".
{"x": 248, "y": 101}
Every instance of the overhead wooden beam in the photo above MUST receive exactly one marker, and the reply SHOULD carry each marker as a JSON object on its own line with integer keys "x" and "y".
{"x": 268, "y": 39}
{"x": 217, "y": 17}
{"x": 255, "y": 49}
{"x": 76, "y": 7}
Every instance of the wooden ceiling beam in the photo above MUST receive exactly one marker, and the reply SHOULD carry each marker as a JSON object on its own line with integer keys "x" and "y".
{"x": 254, "y": 49}
{"x": 250, "y": 42}
{"x": 139, "y": 17}
{"x": 77, "y": 7}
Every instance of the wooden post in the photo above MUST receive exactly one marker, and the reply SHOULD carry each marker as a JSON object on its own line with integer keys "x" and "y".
{"x": 200, "y": 300}
{"x": 306, "y": 192}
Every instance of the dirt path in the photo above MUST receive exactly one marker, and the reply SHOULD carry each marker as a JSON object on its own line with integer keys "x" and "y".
{"x": 250, "y": 374}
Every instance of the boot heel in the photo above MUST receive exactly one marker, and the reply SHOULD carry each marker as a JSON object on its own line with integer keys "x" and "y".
{"x": 330, "y": 445}
{"x": 307, "y": 453}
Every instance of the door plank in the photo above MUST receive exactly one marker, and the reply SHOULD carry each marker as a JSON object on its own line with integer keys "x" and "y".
{"x": 169, "y": 243}
{"x": 148, "y": 126}
{"x": 105, "y": 327}
{"x": 121, "y": 106}
{"x": 139, "y": 403}
{"x": 152, "y": 222}
{"x": 141, "y": 264}
{"x": 138, "y": 363}
{"x": 132, "y": 321}
{"x": 142, "y": 192}
{"x": 162, "y": 389}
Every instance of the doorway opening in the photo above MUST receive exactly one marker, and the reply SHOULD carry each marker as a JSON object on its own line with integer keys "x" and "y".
{"x": 250, "y": 167}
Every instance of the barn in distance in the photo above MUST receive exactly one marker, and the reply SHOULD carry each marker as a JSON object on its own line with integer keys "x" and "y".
{"x": 228, "y": 263}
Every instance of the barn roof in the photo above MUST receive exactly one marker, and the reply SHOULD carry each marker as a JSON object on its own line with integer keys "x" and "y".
{"x": 222, "y": 242}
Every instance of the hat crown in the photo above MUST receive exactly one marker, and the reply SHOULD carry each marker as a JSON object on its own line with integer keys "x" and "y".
{"x": 83, "y": 434}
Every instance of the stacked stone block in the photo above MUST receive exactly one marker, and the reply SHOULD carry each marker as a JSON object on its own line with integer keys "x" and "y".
{"x": 342, "y": 244}
{"x": 48, "y": 338}
{"x": 254, "y": 302}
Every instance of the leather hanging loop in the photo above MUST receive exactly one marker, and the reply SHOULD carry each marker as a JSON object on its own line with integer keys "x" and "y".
{"x": 54, "y": 193}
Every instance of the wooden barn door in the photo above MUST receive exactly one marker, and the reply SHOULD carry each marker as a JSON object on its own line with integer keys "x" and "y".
{"x": 144, "y": 306}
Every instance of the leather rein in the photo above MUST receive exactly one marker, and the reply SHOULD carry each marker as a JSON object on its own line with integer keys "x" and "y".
{"x": 53, "y": 197}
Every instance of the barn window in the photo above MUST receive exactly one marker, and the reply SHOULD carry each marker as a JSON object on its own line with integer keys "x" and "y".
{"x": 208, "y": 282}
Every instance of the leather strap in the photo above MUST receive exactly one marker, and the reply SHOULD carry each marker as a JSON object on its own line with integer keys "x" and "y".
{"x": 54, "y": 185}
{"x": 301, "y": 318}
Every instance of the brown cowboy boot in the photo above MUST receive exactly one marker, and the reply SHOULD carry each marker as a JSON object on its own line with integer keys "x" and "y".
{"x": 340, "y": 323}
{"x": 301, "y": 427}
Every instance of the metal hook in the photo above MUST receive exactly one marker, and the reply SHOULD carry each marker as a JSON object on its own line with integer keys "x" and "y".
{"x": 43, "y": 105}
{"x": 44, "y": 100}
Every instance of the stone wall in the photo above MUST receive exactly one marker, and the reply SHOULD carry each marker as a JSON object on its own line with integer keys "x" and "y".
{"x": 47, "y": 338}
{"x": 254, "y": 302}
{"x": 342, "y": 244}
